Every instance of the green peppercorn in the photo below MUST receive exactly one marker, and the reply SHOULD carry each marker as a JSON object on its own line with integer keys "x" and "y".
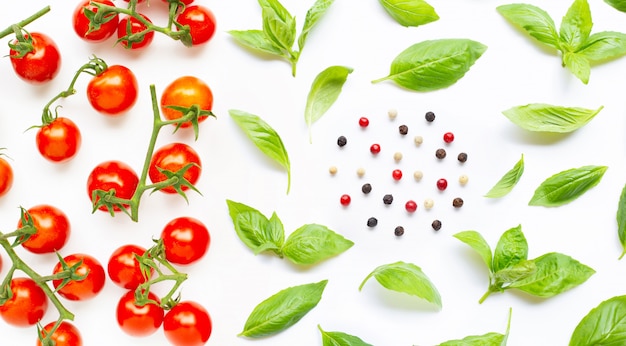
{"x": 430, "y": 117}
{"x": 399, "y": 231}
{"x": 341, "y": 141}
{"x": 457, "y": 202}
{"x": 403, "y": 129}
{"x": 440, "y": 153}
{"x": 436, "y": 225}
{"x": 388, "y": 199}
{"x": 372, "y": 222}
{"x": 366, "y": 188}
{"x": 462, "y": 157}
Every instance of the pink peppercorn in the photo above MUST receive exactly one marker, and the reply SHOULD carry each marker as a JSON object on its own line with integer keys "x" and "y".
{"x": 375, "y": 149}
{"x": 345, "y": 200}
{"x": 442, "y": 184}
{"x": 410, "y": 206}
{"x": 396, "y": 174}
{"x": 448, "y": 137}
{"x": 364, "y": 122}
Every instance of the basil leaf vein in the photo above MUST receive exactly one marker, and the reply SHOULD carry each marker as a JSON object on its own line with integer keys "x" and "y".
{"x": 541, "y": 117}
{"x": 508, "y": 181}
{"x": 603, "y": 325}
{"x": 254, "y": 229}
{"x": 535, "y": 21}
{"x": 576, "y": 25}
{"x": 511, "y": 249}
{"x": 566, "y": 186}
{"x": 410, "y": 12}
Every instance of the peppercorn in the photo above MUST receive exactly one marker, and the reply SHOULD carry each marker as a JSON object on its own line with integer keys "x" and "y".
{"x": 396, "y": 174}
{"x": 403, "y": 129}
{"x": 375, "y": 149}
{"x": 392, "y": 113}
{"x": 418, "y": 140}
{"x": 410, "y": 206}
{"x": 440, "y": 153}
{"x": 366, "y": 188}
{"x": 397, "y": 156}
{"x": 463, "y": 179}
{"x": 372, "y": 222}
{"x": 462, "y": 157}
{"x": 457, "y": 202}
{"x": 388, "y": 199}
{"x": 360, "y": 171}
{"x": 436, "y": 225}
{"x": 448, "y": 137}
{"x": 364, "y": 122}
{"x": 345, "y": 200}
{"x": 399, "y": 231}
{"x": 332, "y": 170}
{"x": 418, "y": 175}
{"x": 442, "y": 184}
{"x": 341, "y": 141}
{"x": 429, "y": 203}
{"x": 430, "y": 117}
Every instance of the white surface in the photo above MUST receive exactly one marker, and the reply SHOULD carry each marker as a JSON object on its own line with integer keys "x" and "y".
{"x": 229, "y": 281}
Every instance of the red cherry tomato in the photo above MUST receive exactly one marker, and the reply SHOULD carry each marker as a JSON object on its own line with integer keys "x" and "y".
{"x": 129, "y": 26}
{"x": 113, "y": 91}
{"x": 59, "y": 140}
{"x": 123, "y": 268}
{"x": 39, "y": 65}
{"x": 6, "y": 176}
{"x": 185, "y": 92}
{"x": 113, "y": 175}
{"x": 185, "y": 240}
{"x": 84, "y": 289}
{"x": 53, "y": 229}
{"x": 81, "y": 22}
{"x": 187, "y": 324}
{"x": 139, "y": 320}
{"x": 27, "y": 305}
{"x": 65, "y": 335}
{"x": 173, "y": 157}
{"x": 201, "y": 22}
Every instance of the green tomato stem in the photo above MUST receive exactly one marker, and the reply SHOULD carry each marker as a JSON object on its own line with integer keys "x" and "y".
{"x": 9, "y": 30}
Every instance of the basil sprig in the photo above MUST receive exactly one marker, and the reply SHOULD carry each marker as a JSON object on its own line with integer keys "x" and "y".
{"x": 508, "y": 181}
{"x": 621, "y": 221}
{"x": 541, "y": 117}
{"x": 577, "y": 46}
{"x": 566, "y": 186}
{"x": 434, "y": 64}
{"x": 279, "y": 30}
{"x": 489, "y": 339}
{"x": 308, "y": 245}
{"x": 340, "y": 339}
{"x": 603, "y": 325}
{"x": 410, "y": 12}
{"x": 509, "y": 267}
{"x": 283, "y": 309}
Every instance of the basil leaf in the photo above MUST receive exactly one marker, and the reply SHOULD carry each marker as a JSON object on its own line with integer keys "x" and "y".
{"x": 535, "y": 21}
{"x": 434, "y": 64}
{"x": 511, "y": 249}
{"x": 313, "y": 243}
{"x": 254, "y": 229}
{"x": 283, "y": 309}
{"x": 621, "y": 221}
{"x": 508, "y": 181}
{"x": 604, "y": 45}
{"x": 567, "y": 185}
{"x": 278, "y": 24}
{"x": 324, "y": 92}
{"x": 255, "y": 39}
{"x": 578, "y": 65}
{"x": 313, "y": 15}
{"x": 619, "y": 5}
{"x": 576, "y": 25}
{"x": 340, "y": 339}
{"x": 489, "y": 339}
{"x": 517, "y": 272}
{"x": 478, "y": 243}
{"x": 405, "y": 278}
{"x": 541, "y": 117}
{"x": 410, "y": 12}
{"x": 264, "y": 137}
{"x": 603, "y": 325}
{"x": 556, "y": 273}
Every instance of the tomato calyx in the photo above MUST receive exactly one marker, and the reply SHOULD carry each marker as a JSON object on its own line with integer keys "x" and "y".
{"x": 191, "y": 114}
{"x": 97, "y": 19}
{"x": 177, "y": 180}
{"x": 24, "y": 43}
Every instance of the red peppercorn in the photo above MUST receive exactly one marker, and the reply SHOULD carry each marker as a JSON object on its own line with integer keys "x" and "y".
{"x": 345, "y": 200}
{"x": 375, "y": 149}
{"x": 410, "y": 206}
{"x": 448, "y": 137}
{"x": 396, "y": 174}
{"x": 442, "y": 184}
{"x": 363, "y": 122}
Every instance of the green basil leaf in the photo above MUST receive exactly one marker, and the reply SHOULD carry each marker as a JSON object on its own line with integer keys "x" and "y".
{"x": 604, "y": 45}
{"x": 478, "y": 243}
{"x": 313, "y": 15}
{"x": 434, "y": 64}
{"x": 566, "y": 186}
{"x": 489, "y": 339}
{"x": 324, "y": 92}
{"x": 535, "y": 21}
{"x": 603, "y": 325}
{"x": 278, "y": 24}
{"x": 621, "y": 221}
{"x": 541, "y": 117}
{"x": 511, "y": 249}
{"x": 256, "y": 40}
{"x": 575, "y": 26}
{"x": 340, "y": 339}
{"x": 517, "y": 272}
{"x": 283, "y": 309}
{"x": 313, "y": 243}
{"x": 410, "y": 12}
{"x": 254, "y": 229}
{"x": 405, "y": 278}
{"x": 555, "y": 274}
{"x": 264, "y": 137}
{"x": 508, "y": 181}
{"x": 619, "y": 5}
{"x": 578, "y": 65}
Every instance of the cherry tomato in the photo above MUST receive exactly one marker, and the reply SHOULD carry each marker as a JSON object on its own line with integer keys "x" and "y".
{"x": 123, "y": 268}
{"x": 113, "y": 91}
{"x": 6, "y": 176}
{"x": 173, "y": 157}
{"x": 81, "y": 22}
{"x": 84, "y": 289}
{"x": 53, "y": 229}
{"x": 113, "y": 175}
{"x": 59, "y": 140}
{"x": 39, "y": 65}
{"x": 65, "y": 335}
{"x": 187, "y": 324}
{"x": 130, "y": 26}
{"x": 185, "y": 92}
{"x": 185, "y": 240}
{"x": 139, "y": 320}
{"x": 201, "y": 22}
{"x": 27, "y": 305}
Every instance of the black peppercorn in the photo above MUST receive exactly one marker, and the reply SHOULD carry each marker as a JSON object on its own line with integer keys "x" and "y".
{"x": 341, "y": 141}
{"x": 398, "y": 231}
{"x": 403, "y": 129}
{"x": 366, "y": 188}
{"x": 372, "y": 222}
{"x": 436, "y": 225}
{"x": 440, "y": 153}
{"x": 457, "y": 202}
{"x": 462, "y": 157}
{"x": 387, "y": 199}
{"x": 430, "y": 117}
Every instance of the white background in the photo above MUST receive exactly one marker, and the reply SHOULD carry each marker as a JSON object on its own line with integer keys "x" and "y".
{"x": 230, "y": 281}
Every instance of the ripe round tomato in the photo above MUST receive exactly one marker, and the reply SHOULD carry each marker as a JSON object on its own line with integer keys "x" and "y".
{"x": 27, "y": 305}
{"x": 65, "y": 335}
{"x": 139, "y": 320}
{"x": 81, "y": 22}
{"x": 201, "y": 22}
{"x": 173, "y": 157}
{"x": 131, "y": 25}
{"x": 84, "y": 289}
{"x": 185, "y": 240}
{"x": 185, "y": 92}
{"x": 6, "y": 176}
{"x": 39, "y": 65}
{"x": 187, "y": 324}
{"x": 113, "y": 91}
{"x": 123, "y": 268}
{"x": 59, "y": 140}
{"x": 53, "y": 229}
{"x": 113, "y": 175}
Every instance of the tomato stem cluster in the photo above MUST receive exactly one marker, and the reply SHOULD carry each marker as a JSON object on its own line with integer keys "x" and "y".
{"x": 23, "y": 44}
